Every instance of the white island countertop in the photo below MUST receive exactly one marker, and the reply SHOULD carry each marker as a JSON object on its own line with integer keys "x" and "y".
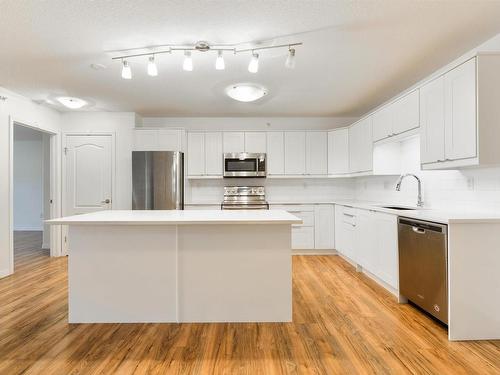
{"x": 178, "y": 217}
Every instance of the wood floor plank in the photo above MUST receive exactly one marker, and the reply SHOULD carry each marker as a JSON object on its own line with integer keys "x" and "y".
{"x": 343, "y": 323}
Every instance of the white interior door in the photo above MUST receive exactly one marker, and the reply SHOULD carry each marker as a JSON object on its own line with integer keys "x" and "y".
{"x": 88, "y": 180}
{"x": 89, "y": 173}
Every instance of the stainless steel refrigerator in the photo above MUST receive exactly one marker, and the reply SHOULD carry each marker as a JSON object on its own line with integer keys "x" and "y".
{"x": 157, "y": 180}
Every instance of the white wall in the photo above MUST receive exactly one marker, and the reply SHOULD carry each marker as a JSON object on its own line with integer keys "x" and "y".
{"x": 248, "y": 123}
{"x": 46, "y": 189}
{"x": 28, "y": 179}
{"x": 26, "y": 111}
{"x": 122, "y": 125}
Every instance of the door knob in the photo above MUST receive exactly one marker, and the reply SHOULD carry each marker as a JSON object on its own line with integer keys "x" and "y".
{"x": 106, "y": 201}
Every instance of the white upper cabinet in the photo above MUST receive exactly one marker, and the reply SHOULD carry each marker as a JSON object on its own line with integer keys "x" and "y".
{"x": 382, "y": 123}
{"x": 204, "y": 157}
{"x": 316, "y": 153}
{"x": 213, "y": 153}
{"x": 196, "y": 154}
{"x": 234, "y": 142}
{"x": 397, "y": 117}
{"x": 432, "y": 121}
{"x": 158, "y": 139}
{"x": 338, "y": 151}
{"x": 460, "y": 112}
{"x": 406, "y": 114}
{"x": 295, "y": 153}
{"x": 255, "y": 142}
{"x": 275, "y": 153}
{"x": 361, "y": 146}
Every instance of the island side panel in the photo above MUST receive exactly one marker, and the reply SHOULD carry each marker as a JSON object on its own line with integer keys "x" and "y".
{"x": 474, "y": 281}
{"x": 122, "y": 274}
{"x": 235, "y": 273}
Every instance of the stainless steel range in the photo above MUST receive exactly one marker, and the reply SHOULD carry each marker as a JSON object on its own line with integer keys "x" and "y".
{"x": 244, "y": 198}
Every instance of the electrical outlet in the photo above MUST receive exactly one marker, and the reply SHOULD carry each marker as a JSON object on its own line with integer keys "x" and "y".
{"x": 470, "y": 183}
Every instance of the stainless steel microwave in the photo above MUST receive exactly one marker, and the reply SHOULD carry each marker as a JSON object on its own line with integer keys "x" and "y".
{"x": 244, "y": 164}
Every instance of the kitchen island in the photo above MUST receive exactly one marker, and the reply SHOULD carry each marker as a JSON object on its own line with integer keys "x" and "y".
{"x": 180, "y": 266}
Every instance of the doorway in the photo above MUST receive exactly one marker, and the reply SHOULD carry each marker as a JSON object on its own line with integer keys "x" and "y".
{"x": 31, "y": 192}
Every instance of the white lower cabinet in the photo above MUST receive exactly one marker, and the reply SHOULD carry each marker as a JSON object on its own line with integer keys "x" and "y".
{"x": 369, "y": 239}
{"x": 317, "y": 229}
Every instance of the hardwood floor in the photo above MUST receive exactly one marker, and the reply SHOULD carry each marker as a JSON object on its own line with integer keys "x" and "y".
{"x": 343, "y": 324}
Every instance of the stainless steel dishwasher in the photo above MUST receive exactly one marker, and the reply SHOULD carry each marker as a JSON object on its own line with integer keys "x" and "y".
{"x": 423, "y": 265}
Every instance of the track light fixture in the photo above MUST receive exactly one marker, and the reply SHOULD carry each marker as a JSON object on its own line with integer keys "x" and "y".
{"x": 187, "y": 65}
{"x": 219, "y": 63}
{"x": 290, "y": 60}
{"x": 126, "y": 71}
{"x": 152, "y": 68}
{"x": 253, "y": 66}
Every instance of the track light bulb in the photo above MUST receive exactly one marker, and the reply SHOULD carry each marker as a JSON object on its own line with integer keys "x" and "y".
{"x": 126, "y": 71}
{"x": 187, "y": 65}
{"x": 253, "y": 66}
{"x": 290, "y": 60}
{"x": 152, "y": 68}
{"x": 219, "y": 63}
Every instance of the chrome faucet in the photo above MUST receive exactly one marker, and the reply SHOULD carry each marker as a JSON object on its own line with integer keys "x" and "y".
{"x": 420, "y": 202}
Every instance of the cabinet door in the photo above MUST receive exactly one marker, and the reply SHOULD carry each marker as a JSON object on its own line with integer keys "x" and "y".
{"x": 213, "y": 153}
{"x": 382, "y": 123}
{"x": 255, "y": 142}
{"x": 275, "y": 153}
{"x": 406, "y": 112}
{"x": 302, "y": 238}
{"x": 234, "y": 142}
{"x": 365, "y": 254}
{"x": 460, "y": 112}
{"x": 169, "y": 140}
{"x": 196, "y": 154}
{"x": 338, "y": 151}
{"x": 324, "y": 226}
{"x": 316, "y": 153}
{"x": 361, "y": 146}
{"x": 295, "y": 153}
{"x": 432, "y": 121}
{"x": 386, "y": 248}
{"x": 145, "y": 140}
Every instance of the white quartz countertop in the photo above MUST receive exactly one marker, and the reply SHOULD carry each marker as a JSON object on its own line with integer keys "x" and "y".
{"x": 172, "y": 217}
{"x": 458, "y": 216}
{"x": 461, "y": 216}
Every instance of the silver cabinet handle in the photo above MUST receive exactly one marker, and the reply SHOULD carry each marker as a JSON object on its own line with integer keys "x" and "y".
{"x": 106, "y": 201}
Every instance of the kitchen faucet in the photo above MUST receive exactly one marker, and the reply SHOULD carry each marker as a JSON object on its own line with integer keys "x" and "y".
{"x": 420, "y": 202}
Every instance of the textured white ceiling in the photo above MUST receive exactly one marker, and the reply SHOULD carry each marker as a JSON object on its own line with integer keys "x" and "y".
{"x": 356, "y": 54}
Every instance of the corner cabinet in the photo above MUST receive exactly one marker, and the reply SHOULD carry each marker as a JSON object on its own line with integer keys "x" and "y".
{"x": 338, "y": 151}
{"x": 361, "y": 146}
{"x": 459, "y": 114}
{"x": 369, "y": 239}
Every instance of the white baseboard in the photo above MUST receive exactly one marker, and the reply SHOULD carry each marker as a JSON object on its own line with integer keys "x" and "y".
{"x": 315, "y": 252}
{"x": 5, "y": 272}
{"x": 45, "y": 246}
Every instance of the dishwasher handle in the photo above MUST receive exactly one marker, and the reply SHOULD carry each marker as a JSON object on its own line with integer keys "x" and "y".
{"x": 418, "y": 230}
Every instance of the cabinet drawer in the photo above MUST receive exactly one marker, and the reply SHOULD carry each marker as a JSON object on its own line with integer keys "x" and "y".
{"x": 302, "y": 237}
{"x": 306, "y": 216}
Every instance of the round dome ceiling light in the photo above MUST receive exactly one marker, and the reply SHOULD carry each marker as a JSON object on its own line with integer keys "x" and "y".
{"x": 246, "y": 92}
{"x": 71, "y": 102}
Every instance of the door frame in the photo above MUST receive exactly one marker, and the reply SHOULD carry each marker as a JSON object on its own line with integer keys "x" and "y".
{"x": 55, "y": 233}
{"x": 65, "y": 135}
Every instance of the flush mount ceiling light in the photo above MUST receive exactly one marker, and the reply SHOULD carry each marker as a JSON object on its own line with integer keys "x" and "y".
{"x": 246, "y": 92}
{"x": 201, "y": 46}
{"x": 71, "y": 102}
